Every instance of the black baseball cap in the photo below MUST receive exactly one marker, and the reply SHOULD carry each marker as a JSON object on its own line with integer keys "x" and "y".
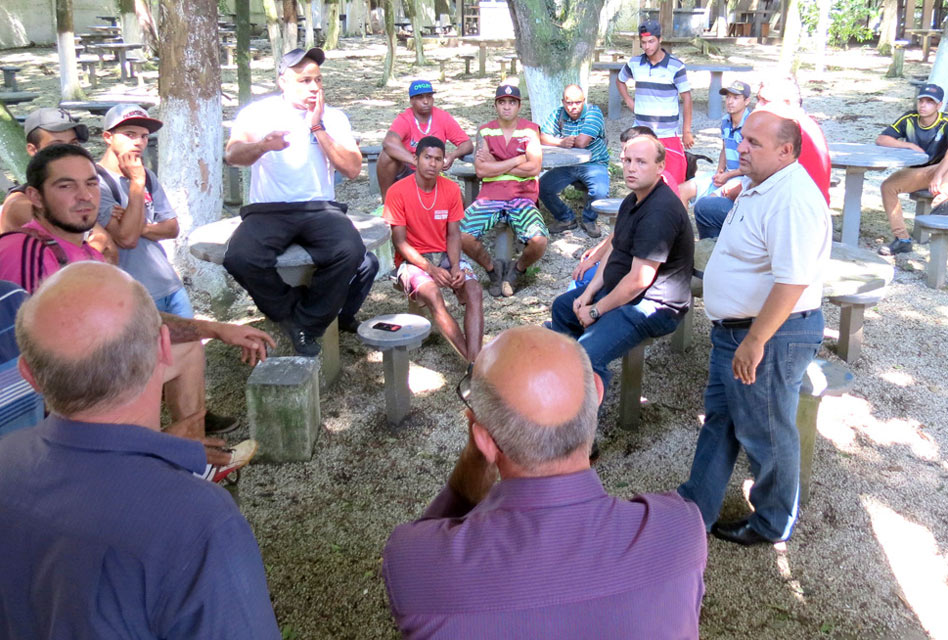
{"x": 932, "y": 91}
{"x": 296, "y": 56}
{"x": 52, "y": 119}
{"x": 738, "y": 88}
{"x": 650, "y": 28}
{"x": 507, "y": 91}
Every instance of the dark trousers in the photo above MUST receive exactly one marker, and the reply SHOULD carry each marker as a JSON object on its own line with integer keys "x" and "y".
{"x": 344, "y": 269}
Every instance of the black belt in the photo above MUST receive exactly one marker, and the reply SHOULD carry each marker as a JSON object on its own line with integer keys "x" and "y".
{"x": 745, "y": 323}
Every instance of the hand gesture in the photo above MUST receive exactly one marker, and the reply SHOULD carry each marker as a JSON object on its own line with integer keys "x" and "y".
{"x": 457, "y": 277}
{"x": 130, "y": 164}
{"x": 583, "y": 315}
{"x": 448, "y": 161}
{"x": 275, "y": 141}
{"x": 720, "y": 179}
{"x": 315, "y": 106}
{"x": 252, "y": 342}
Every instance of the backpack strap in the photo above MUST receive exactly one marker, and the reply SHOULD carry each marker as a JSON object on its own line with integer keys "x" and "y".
{"x": 113, "y": 185}
{"x": 31, "y": 260}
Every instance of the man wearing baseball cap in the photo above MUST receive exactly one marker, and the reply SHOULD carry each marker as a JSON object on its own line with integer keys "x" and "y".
{"x": 660, "y": 78}
{"x": 922, "y": 130}
{"x": 508, "y": 160}
{"x": 422, "y": 118}
{"x": 292, "y": 201}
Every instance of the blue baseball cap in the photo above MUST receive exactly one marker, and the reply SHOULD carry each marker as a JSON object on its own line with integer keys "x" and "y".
{"x": 650, "y": 28}
{"x": 419, "y": 87}
{"x": 932, "y": 91}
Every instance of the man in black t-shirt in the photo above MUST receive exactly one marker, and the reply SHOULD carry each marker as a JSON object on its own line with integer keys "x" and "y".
{"x": 922, "y": 130}
{"x": 645, "y": 286}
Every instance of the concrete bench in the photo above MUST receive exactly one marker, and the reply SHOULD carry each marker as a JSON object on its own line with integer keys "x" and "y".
{"x": 9, "y": 77}
{"x": 938, "y": 260}
{"x": 822, "y": 378}
{"x": 394, "y": 346}
{"x": 470, "y": 183}
{"x": 135, "y": 68}
{"x": 283, "y": 408}
{"x": 467, "y": 57}
{"x": 371, "y": 155}
{"x": 923, "y": 206}
{"x": 89, "y": 64}
{"x": 851, "y": 312}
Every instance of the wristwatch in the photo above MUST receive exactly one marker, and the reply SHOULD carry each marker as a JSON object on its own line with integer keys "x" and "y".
{"x": 594, "y": 313}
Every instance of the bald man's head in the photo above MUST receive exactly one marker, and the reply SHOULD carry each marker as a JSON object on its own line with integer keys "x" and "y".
{"x": 534, "y": 391}
{"x": 89, "y": 335}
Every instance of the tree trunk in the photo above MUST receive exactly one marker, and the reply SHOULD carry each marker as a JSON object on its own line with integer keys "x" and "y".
{"x": 13, "y": 156}
{"x": 66, "y": 45}
{"x": 388, "y": 8}
{"x": 147, "y": 24}
{"x": 244, "y": 81}
{"x": 890, "y": 16}
{"x": 939, "y": 73}
{"x": 822, "y": 29}
{"x": 273, "y": 30}
{"x": 309, "y": 38}
{"x": 332, "y": 24}
{"x": 131, "y": 29}
{"x": 413, "y": 11}
{"x": 290, "y": 26}
{"x": 191, "y": 141}
{"x": 791, "y": 38}
{"x": 555, "y": 45}
{"x": 666, "y": 18}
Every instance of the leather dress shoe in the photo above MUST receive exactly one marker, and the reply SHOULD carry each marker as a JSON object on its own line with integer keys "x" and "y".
{"x": 740, "y": 532}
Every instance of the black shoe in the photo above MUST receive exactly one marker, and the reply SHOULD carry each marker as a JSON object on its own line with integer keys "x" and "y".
{"x": 305, "y": 344}
{"x": 560, "y": 226}
{"x": 740, "y": 532}
{"x": 496, "y": 277}
{"x": 511, "y": 275}
{"x": 215, "y": 424}
{"x": 897, "y": 246}
{"x": 591, "y": 229}
{"x": 349, "y": 325}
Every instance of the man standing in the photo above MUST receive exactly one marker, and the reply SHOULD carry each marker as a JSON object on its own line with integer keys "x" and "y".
{"x": 762, "y": 291}
{"x": 291, "y": 195}
{"x": 645, "y": 286}
{"x": 106, "y": 531}
{"x": 544, "y": 553}
{"x": 425, "y": 211}
{"x": 134, "y": 209}
{"x": 659, "y": 79}
{"x": 422, "y": 118}
{"x": 921, "y": 130}
{"x": 580, "y": 126}
{"x": 508, "y": 161}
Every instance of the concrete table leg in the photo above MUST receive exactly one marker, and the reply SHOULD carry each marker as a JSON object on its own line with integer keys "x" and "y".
{"x": 852, "y": 206}
{"x": 397, "y": 391}
{"x": 615, "y": 100}
{"x": 849, "y": 345}
{"x": 681, "y": 339}
{"x": 471, "y": 187}
{"x": 121, "y": 59}
{"x": 807, "y": 412}
{"x": 503, "y": 245}
{"x": 938, "y": 260}
{"x": 329, "y": 367}
{"x": 630, "y": 394}
{"x": 714, "y": 97}
{"x": 482, "y": 60}
{"x": 372, "y": 170}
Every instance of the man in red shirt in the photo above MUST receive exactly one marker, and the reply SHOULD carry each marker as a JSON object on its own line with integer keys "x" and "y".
{"x": 422, "y": 118}
{"x": 425, "y": 211}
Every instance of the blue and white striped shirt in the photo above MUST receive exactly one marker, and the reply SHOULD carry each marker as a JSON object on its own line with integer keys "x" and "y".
{"x": 732, "y": 137}
{"x": 590, "y": 122}
{"x": 656, "y": 91}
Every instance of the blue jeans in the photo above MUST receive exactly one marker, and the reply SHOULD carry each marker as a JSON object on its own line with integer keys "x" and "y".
{"x": 761, "y": 418}
{"x": 592, "y": 174}
{"x": 710, "y": 214}
{"x": 177, "y": 303}
{"x": 616, "y": 331}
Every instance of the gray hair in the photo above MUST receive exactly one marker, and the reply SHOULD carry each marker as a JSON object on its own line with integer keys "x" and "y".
{"x": 527, "y": 443}
{"x": 116, "y": 370}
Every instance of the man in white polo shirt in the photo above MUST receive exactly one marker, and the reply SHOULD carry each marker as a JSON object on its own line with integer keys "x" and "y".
{"x": 762, "y": 292}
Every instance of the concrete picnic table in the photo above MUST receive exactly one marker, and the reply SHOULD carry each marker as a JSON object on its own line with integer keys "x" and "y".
{"x": 482, "y": 43}
{"x": 121, "y": 50}
{"x": 101, "y": 106}
{"x": 925, "y": 35}
{"x": 16, "y": 97}
{"x": 856, "y": 159}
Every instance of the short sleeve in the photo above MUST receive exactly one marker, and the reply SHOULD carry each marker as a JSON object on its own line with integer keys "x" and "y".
{"x": 455, "y": 203}
{"x": 794, "y": 236}
{"x": 549, "y": 125}
{"x": 244, "y": 124}
{"x": 337, "y": 126}
{"x": 654, "y": 235}
{"x": 625, "y": 73}
{"x": 401, "y": 126}
{"x": 681, "y": 80}
{"x": 106, "y": 202}
{"x": 394, "y": 211}
{"x": 593, "y": 124}
{"x": 453, "y": 131}
{"x": 163, "y": 209}
{"x": 898, "y": 129}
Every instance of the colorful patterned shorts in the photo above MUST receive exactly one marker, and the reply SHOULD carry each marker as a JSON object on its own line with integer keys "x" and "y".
{"x": 520, "y": 213}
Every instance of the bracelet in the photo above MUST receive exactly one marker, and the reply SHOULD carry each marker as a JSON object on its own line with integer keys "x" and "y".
{"x": 317, "y": 127}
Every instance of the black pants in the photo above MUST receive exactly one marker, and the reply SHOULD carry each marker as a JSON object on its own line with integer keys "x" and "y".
{"x": 344, "y": 269}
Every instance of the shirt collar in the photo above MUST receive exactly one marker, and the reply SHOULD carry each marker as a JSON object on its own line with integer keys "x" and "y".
{"x": 740, "y": 125}
{"x": 124, "y": 438}
{"x": 784, "y": 174}
{"x": 643, "y": 59}
{"x": 547, "y": 491}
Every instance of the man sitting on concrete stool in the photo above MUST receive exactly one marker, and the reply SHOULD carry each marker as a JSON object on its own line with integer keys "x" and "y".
{"x": 291, "y": 195}
{"x": 508, "y": 161}
{"x": 422, "y": 118}
{"x": 425, "y": 211}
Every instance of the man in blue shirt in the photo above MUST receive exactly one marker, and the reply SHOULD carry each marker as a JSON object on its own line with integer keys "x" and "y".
{"x": 106, "y": 531}
{"x": 580, "y": 126}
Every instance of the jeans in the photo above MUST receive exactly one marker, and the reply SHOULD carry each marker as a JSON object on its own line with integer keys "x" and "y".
{"x": 616, "y": 331}
{"x": 761, "y": 418}
{"x": 594, "y": 175}
{"x": 710, "y": 214}
{"x": 177, "y": 303}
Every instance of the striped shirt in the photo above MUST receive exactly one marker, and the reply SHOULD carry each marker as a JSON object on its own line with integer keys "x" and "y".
{"x": 656, "y": 91}
{"x": 589, "y": 122}
{"x": 732, "y": 137}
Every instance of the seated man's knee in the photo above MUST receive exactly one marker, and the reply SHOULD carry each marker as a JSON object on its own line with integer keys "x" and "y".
{"x": 539, "y": 241}
{"x": 186, "y": 356}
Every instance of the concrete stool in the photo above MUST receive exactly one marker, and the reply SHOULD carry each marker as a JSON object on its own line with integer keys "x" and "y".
{"x": 851, "y": 310}
{"x": 470, "y": 183}
{"x": 822, "y": 378}
{"x": 371, "y": 155}
{"x": 938, "y": 261}
{"x": 630, "y": 394}
{"x": 135, "y": 68}
{"x": 923, "y": 207}
{"x": 608, "y": 208}
{"x": 88, "y": 65}
{"x": 394, "y": 346}
{"x": 467, "y": 57}
{"x": 503, "y": 68}
{"x": 9, "y": 77}
{"x": 283, "y": 408}
{"x": 512, "y": 58}
{"x": 898, "y": 59}
{"x": 441, "y": 68}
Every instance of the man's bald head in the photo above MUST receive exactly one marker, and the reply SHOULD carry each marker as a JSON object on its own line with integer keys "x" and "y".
{"x": 534, "y": 391}
{"x": 89, "y": 336}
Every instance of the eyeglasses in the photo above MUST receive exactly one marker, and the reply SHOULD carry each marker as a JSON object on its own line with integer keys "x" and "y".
{"x": 464, "y": 387}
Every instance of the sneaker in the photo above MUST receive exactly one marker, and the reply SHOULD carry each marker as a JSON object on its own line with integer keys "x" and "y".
{"x": 305, "y": 344}
{"x": 215, "y": 424}
{"x": 240, "y": 455}
{"x": 591, "y": 229}
{"x": 559, "y": 226}
{"x": 496, "y": 277}
{"x": 509, "y": 283}
{"x": 897, "y": 246}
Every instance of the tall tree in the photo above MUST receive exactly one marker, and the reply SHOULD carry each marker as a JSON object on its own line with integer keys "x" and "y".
{"x": 939, "y": 72}
{"x": 290, "y": 25}
{"x": 889, "y": 26}
{"x": 273, "y": 31}
{"x": 66, "y": 45}
{"x": 789, "y": 50}
{"x": 147, "y": 24}
{"x": 555, "y": 40}
{"x": 332, "y": 24}
{"x": 822, "y": 30}
{"x": 242, "y": 11}
{"x": 191, "y": 140}
{"x": 388, "y": 68}
{"x": 309, "y": 38}
{"x": 13, "y": 155}
{"x": 131, "y": 28}
{"x": 413, "y": 10}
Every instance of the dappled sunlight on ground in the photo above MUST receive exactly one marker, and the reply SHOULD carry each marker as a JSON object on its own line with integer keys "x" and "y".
{"x": 920, "y": 568}
{"x": 423, "y": 380}
{"x": 839, "y": 415}
{"x": 783, "y": 567}
{"x": 898, "y": 378}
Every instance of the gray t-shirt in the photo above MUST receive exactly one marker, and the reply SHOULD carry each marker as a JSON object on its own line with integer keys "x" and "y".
{"x": 147, "y": 262}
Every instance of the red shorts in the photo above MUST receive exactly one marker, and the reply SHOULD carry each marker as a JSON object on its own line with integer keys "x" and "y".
{"x": 675, "y": 164}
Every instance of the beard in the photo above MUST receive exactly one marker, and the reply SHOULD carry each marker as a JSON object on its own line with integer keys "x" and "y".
{"x": 65, "y": 225}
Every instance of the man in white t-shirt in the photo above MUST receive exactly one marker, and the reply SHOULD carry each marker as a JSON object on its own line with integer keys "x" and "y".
{"x": 762, "y": 292}
{"x": 291, "y": 202}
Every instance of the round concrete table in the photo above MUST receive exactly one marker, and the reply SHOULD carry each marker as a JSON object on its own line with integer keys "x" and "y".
{"x": 394, "y": 345}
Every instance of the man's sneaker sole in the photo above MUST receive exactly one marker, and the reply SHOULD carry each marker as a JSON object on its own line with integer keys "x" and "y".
{"x": 562, "y": 227}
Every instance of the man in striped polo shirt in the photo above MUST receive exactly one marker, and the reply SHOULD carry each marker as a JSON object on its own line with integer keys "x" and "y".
{"x": 508, "y": 161}
{"x": 581, "y": 126}
{"x": 659, "y": 79}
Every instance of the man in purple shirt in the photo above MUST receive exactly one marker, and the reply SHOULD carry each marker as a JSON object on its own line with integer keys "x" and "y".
{"x": 544, "y": 553}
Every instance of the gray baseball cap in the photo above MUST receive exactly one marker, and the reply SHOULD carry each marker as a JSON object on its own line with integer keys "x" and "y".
{"x": 129, "y": 114}
{"x": 296, "y": 56}
{"x": 52, "y": 119}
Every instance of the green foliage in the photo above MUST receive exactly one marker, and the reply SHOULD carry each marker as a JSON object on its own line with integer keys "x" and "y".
{"x": 222, "y": 7}
{"x": 848, "y": 20}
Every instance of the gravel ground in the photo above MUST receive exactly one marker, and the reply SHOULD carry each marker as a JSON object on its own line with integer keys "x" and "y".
{"x": 868, "y": 557}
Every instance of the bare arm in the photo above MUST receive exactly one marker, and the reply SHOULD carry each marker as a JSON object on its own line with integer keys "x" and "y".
{"x": 127, "y": 229}
{"x": 243, "y": 150}
{"x": 534, "y": 162}
{"x": 442, "y": 277}
{"x": 637, "y": 280}
{"x": 253, "y": 342}
{"x": 687, "y": 139}
{"x": 17, "y": 211}
{"x": 164, "y": 230}
{"x": 888, "y": 141}
{"x": 777, "y": 307}
{"x": 100, "y": 240}
{"x": 465, "y": 148}
{"x": 567, "y": 142}
{"x": 473, "y": 475}
{"x": 624, "y": 92}
{"x": 486, "y": 166}
{"x": 392, "y": 145}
